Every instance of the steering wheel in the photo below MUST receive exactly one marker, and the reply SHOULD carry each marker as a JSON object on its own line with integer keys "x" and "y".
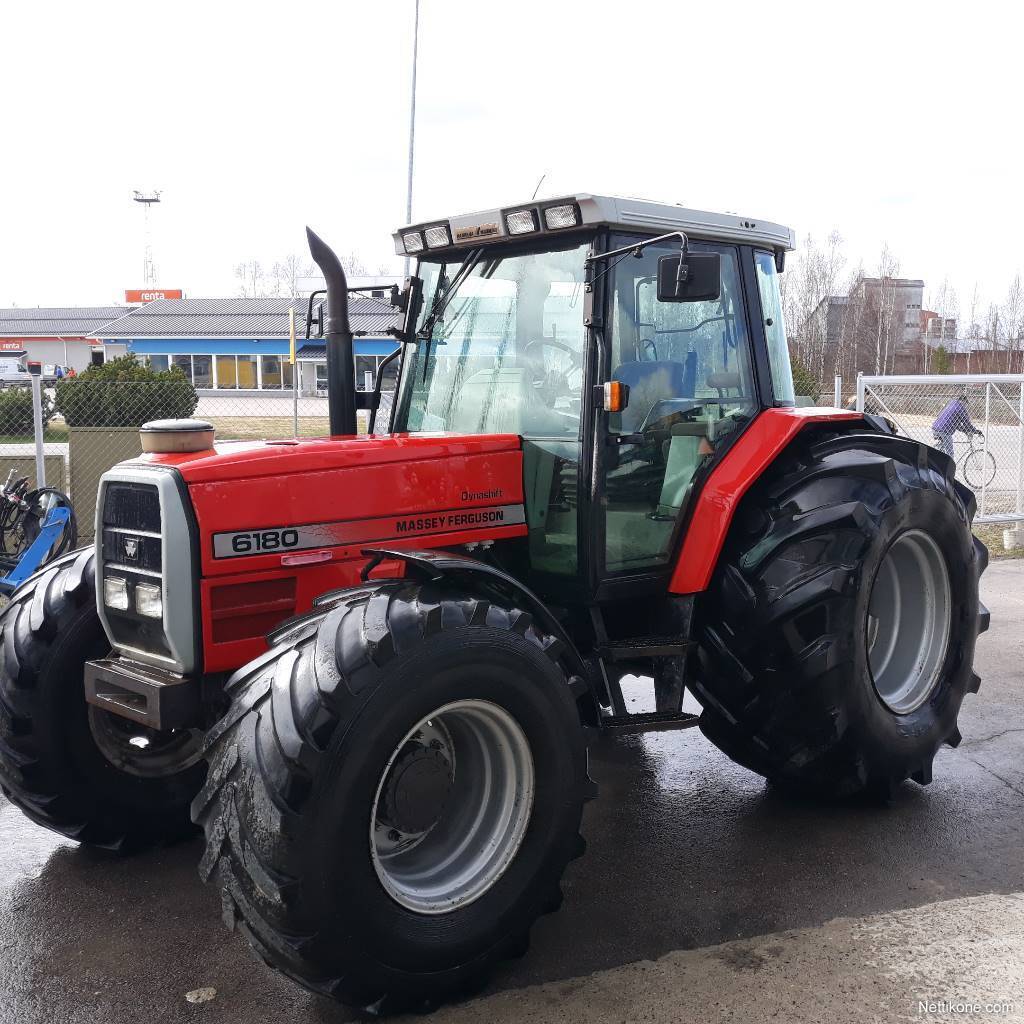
{"x": 534, "y": 351}
{"x": 554, "y": 383}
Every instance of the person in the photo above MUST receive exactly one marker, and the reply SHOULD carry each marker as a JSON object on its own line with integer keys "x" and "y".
{"x": 955, "y": 416}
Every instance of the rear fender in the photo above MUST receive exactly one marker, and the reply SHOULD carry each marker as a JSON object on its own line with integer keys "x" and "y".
{"x": 740, "y": 468}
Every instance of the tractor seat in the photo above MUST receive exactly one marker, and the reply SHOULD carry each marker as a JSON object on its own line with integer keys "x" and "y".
{"x": 649, "y": 383}
{"x": 724, "y": 381}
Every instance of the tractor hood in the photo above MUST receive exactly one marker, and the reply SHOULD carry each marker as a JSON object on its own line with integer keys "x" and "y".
{"x": 278, "y": 523}
{"x": 246, "y": 460}
{"x": 261, "y": 505}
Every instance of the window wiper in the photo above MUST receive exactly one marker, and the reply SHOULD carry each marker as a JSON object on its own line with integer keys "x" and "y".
{"x": 445, "y": 293}
{"x": 442, "y": 296}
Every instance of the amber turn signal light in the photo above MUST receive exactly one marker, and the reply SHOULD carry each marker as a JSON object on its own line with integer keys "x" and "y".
{"x": 614, "y": 396}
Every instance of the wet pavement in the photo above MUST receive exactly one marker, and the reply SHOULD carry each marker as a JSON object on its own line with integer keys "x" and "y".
{"x": 686, "y": 851}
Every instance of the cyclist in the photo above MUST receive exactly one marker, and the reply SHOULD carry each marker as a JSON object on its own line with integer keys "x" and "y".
{"x": 955, "y": 416}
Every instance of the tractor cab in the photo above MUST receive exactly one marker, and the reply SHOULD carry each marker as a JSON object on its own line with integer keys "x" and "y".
{"x": 567, "y": 323}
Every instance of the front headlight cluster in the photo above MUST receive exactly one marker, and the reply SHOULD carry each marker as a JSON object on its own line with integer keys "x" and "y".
{"x": 148, "y": 598}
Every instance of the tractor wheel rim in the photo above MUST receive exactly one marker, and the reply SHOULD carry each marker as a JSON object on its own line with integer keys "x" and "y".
{"x": 476, "y": 770}
{"x": 908, "y": 622}
{"x": 141, "y": 751}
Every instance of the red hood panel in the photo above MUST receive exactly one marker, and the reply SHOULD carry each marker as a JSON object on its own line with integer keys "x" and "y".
{"x": 243, "y": 460}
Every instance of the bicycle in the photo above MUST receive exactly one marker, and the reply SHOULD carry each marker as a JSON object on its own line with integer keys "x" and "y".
{"x": 977, "y": 465}
{"x": 22, "y": 513}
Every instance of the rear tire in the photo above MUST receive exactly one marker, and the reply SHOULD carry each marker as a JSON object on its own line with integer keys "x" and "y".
{"x": 52, "y": 760}
{"x": 303, "y": 763}
{"x": 800, "y": 676}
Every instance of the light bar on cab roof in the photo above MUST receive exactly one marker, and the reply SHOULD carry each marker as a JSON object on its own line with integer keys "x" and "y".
{"x": 437, "y": 236}
{"x": 566, "y": 215}
{"x": 521, "y": 222}
{"x": 413, "y": 241}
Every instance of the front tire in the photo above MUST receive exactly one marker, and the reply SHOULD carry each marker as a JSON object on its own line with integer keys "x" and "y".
{"x": 69, "y": 766}
{"x": 837, "y": 636}
{"x": 395, "y": 794}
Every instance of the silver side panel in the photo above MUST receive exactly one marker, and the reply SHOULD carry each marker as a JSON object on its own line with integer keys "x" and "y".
{"x": 178, "y": 583}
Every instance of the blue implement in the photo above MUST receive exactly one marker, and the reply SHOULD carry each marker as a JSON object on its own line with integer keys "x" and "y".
{"x": 35, "y": 554}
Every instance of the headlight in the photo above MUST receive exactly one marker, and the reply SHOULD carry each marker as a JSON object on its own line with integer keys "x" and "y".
{"x": 115, "y": 593}
{"x": 437, "y": 236}
{"x": 521, "y": 222}
{"x": 561, "y": 216}
{"x": 413, "y": 241}
{"x": 149, "y": 601}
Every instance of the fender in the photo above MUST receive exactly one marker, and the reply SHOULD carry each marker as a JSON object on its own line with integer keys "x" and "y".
{"x": 438, "y": 565}
{"x": 742, "y": 466}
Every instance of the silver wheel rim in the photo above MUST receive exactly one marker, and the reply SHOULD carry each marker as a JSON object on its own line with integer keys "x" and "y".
{"x": 483, "y": 758}
{"x": 141, "y": 751}
{"x": 908, "y": 621}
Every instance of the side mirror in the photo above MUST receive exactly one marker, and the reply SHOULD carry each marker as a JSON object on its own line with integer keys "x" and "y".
{"x": 690, "y": 277}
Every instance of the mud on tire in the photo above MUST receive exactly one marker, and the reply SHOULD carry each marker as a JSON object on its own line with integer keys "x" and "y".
{"x": 785, "y": 675}
{"x": 50, "y": 764}
{"x": 295, "y": 769}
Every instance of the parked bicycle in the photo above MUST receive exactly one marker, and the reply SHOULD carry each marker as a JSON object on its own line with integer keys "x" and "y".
{"x": 977, "y": 465}
{"x": 22, "y": 513}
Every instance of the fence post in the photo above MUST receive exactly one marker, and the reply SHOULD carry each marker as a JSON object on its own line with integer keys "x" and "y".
{"x": 839, "y": 392}
{"x": 37, "y": 428}
{"x": 984, "y": 446}
{"x": 1020, "y": 452}
{"x": 860, "y": 391}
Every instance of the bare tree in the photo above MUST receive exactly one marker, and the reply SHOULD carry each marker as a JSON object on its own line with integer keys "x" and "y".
{"x": 251, "y": 280}
{"x": 1012, "y": 315}
{"x": 286, "y": 275}
{"x": 354, "y": 266}
{"x": 810, "y": 281}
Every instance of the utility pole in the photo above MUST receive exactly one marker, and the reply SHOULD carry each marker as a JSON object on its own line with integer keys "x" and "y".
{"x": 412, "y": 120}
{"x": 148, "y": 267}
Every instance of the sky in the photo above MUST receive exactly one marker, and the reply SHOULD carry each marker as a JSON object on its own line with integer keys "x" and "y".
{"x": 894, "y": 123}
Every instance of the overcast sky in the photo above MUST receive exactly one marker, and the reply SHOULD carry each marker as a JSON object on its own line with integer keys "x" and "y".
{"x": 893, "y": 122}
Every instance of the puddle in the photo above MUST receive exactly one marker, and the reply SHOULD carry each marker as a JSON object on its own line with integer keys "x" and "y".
{"x": 27, "y": 846}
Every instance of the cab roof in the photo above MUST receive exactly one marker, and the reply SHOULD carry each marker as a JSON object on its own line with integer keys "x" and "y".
{"x": 555, "y": 216}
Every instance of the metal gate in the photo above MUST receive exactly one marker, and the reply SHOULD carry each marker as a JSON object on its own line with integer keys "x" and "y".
{"x": 990, "y": 462}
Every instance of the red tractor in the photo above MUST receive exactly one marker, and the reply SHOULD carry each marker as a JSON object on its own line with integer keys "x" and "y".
{"x": 369, "y": 665}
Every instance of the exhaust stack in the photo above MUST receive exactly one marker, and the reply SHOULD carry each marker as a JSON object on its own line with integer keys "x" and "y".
{"x": 341, "y": 373}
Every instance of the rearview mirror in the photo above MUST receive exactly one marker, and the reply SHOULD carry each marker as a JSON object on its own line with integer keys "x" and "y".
{"x": 699, "y": 281}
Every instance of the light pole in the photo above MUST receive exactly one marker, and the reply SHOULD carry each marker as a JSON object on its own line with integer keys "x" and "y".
{"x": 148, "y": 269}
{"x": 412, "y": 120}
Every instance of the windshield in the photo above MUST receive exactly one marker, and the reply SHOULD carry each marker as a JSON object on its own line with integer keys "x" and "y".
{"x": 500, "y": 346}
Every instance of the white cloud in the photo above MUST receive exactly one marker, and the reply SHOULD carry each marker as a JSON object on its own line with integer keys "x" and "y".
{"x": 893, "y": 122}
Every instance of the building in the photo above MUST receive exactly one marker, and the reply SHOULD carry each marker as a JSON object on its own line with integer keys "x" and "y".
{"x": 242, "y": 344}
{"x": 979, "y": 355}
{"x": 900, "y": 297}
{"x": 62, "y": 336}
{"x": 937, "y": 327}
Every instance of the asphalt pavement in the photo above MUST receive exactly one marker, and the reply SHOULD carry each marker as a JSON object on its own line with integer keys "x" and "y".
{"x": 704, "y": 895}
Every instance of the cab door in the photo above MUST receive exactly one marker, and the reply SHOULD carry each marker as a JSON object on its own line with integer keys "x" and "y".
{"x": 689, "y": 369}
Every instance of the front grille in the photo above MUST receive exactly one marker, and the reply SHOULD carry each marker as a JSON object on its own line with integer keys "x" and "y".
{"x": 130, "y": 550}
{"x": 132, "y": 506}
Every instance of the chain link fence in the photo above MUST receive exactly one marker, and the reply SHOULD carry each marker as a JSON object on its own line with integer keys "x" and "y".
{"x": 69, "y": 433}
{"x": 979, "y": 420}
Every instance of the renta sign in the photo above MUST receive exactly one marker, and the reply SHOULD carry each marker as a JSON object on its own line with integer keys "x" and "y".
{"x": 152, "y": 294}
